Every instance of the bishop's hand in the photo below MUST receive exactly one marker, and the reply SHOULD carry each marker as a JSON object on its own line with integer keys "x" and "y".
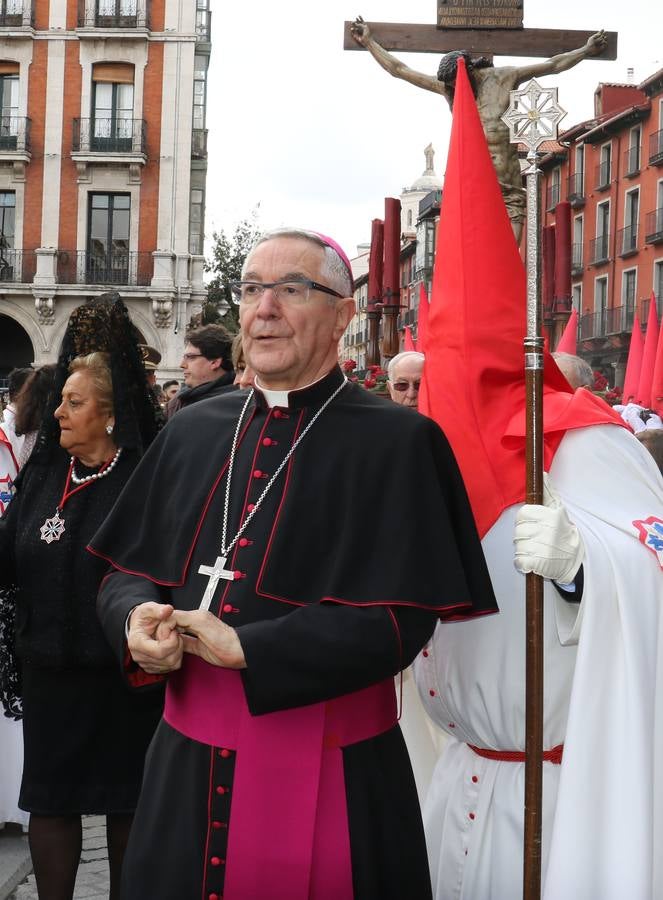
{"x": 208, "y": 637}
{"x": 154, "y": 644}
{"x": 546, "y": 540}
{"x": 360, "y": 31}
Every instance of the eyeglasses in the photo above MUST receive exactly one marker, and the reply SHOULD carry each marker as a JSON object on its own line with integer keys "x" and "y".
{"x": 189, "y": 356}
{"x": 401, "y": 386}
{"x": 292, "y": 293}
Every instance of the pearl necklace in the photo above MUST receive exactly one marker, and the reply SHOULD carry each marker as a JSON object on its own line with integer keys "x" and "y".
{"x": 102, "y": 474}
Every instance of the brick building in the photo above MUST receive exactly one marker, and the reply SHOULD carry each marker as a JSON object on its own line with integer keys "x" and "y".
{"x": 102, "y": 167}
{"x": 610, "y": 170}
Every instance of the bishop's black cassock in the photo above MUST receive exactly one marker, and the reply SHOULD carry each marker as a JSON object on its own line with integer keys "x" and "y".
{"x": 364, "y": 540}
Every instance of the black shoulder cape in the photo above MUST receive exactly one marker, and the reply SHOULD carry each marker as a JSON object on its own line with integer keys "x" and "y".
{"x": 373, "y": 509}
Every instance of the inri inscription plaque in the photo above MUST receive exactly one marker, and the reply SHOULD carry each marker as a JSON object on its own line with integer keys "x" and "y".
{"x": 480, "y": 14}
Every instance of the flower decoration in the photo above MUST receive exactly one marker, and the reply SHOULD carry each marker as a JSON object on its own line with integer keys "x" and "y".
{"x": 600, "y": 381}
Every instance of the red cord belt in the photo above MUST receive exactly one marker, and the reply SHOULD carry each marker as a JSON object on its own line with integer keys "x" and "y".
{"x": 554, "y": 755}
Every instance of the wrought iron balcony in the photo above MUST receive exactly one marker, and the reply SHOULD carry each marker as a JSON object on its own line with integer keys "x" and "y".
{"x": 632, "y": 161}
{"x": 575, "y": 189}
{"x": 602, "y": 176}
{"x": 199, "y": 143}
{"x": 576, "y": 259}
{"x": 14, "y": 134}
{"x": 654, "y": 227}
{"x": 615, "y": 320}
{"x": 17, "y": 266}
{"x": 627, "y": 240}
{"x": 99, "y": 268}
{"x": 17, "y": 14}
{"x": 109, "y": 136}
{"x": 122, "y": 14}
{"x": 656, "y": 148}
{"x": 599, "y": 249}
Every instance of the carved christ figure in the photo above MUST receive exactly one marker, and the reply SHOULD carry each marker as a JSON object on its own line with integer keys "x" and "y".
{"x": 491, "y": 87}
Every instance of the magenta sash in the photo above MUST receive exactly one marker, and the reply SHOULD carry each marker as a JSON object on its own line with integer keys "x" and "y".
{"x": 288, "y": 834}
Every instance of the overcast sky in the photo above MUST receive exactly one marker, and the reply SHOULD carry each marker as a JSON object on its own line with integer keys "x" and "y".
{"x": 318, "y": 136}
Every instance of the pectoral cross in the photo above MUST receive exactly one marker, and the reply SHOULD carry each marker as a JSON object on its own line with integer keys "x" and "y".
{"x": 215, "y": 573}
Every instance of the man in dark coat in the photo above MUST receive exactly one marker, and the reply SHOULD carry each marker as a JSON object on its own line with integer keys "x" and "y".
{"x": 315, "y": 535}
{"x": 207, "y": 367}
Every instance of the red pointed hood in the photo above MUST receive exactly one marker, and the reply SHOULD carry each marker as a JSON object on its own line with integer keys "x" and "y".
{"x": 633, "y": 363}
{"x": 568, "y": 340}
{"x": 408, "y": 343}
{"x": 648, "y": 355}
{"x": 474, "y": 369}
{"x": 657, "y": 381}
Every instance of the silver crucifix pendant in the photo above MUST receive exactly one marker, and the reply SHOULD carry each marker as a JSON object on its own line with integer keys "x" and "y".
{"x": 52, "y": 529}
{"x": 215, "y": 573}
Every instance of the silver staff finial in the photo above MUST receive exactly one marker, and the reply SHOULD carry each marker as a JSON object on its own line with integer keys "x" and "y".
{"x": 533, "y": 115}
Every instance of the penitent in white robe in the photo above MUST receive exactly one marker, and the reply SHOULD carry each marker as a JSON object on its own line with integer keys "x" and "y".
{"x": 601, "y": 664}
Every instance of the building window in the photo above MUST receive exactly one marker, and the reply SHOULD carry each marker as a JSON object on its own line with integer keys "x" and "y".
{"x": 605, "y": 165}
{"x": 199, "y": 90}
{"x": 202, "y": 20}
{"x": 554, "y": 191}
{"x": 658, "y": 281}
{"x": 576, "y": 297}
{"x": 8, "y": 106}
{"x": 112, "y": 107}
{"x": 629, "y": 285}
{"x": 601, "y": 295}
{"x": 7, "y": 221}
{"x": 196, "y": 217}
{"x": 601, "y": 244}
{"x": 633, "y": 152}
{"x": 576, "y": 249}
{"x": 629, "y": 242}
{"x": 113, "y": 13}
{"x": 108, "y": 239}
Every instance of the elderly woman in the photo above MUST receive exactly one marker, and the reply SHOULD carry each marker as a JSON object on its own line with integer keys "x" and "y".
{"x": 85, "y": 732}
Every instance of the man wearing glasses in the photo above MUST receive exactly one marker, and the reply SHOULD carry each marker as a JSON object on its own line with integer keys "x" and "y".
{"x": 206, "y": 365}
{"x": 279, "y": 770}
{"x": 404, "y": 377}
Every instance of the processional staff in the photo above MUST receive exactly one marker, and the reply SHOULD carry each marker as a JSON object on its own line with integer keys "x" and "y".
{"x": 532, "y": 117}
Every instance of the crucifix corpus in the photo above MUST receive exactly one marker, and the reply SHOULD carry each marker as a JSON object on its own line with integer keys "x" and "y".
{"x": 483, "y": 29}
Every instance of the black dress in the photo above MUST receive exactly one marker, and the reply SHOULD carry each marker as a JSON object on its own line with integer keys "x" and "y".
{"x": 85, "y": 731}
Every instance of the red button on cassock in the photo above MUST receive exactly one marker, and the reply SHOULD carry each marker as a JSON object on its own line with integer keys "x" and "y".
{"x": 227, "y": 607}
{"x": 474, "y": 779}
{"x": 221, "y": 789}
{"x": 257, "y": 473}
{"x": 424, "y": 652}
{"x": 243, "y": 542}
{"x": 225, "y": 753}
{"x": 277, "y": 414}
{"x": 250, "y": 507}
{"x": 432, "y": 692}
{"x": 267, "y": 442}
{"x": 471, "y": 815}
{"x": 214, "y": 897}
{"x": 215, "y": 861}
{"x": 216, "y": 825}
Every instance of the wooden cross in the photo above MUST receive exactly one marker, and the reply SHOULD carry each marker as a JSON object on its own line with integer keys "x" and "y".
{"x": 481, "y": 27}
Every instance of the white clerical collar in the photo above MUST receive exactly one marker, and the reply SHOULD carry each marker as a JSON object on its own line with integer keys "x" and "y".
{"x": 280, "y": 398}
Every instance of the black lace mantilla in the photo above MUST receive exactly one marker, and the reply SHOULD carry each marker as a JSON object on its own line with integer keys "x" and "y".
{"x": 103, "y": 324}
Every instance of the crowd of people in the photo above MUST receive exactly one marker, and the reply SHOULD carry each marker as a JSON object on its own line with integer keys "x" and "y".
{"x": 194, "y": 575}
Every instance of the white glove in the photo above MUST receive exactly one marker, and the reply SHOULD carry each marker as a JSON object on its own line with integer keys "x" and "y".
{"x": 546, "y": 540}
